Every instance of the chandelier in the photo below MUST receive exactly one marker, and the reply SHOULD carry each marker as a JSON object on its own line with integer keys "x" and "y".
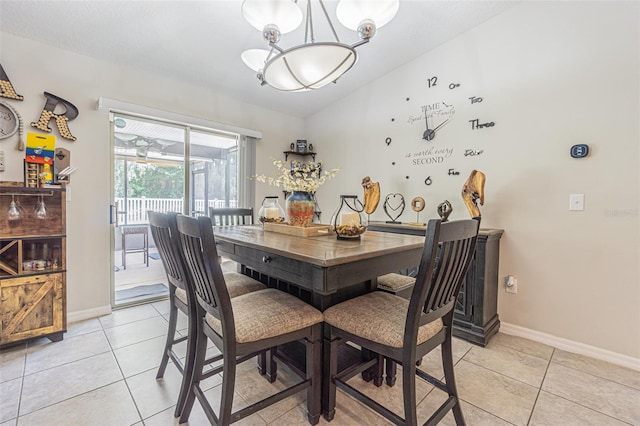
{"x": 312, "y": 64}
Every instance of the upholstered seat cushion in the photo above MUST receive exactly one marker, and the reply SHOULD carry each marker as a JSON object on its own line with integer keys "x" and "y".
{"x": 267, "y": 313}
{"x": 395, "y": 281}
{"x": 239, "y": 284}
{"x": 379, "y": 317}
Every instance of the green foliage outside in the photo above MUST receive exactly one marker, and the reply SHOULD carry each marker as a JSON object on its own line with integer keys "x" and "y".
{"x": 149, "y": 180}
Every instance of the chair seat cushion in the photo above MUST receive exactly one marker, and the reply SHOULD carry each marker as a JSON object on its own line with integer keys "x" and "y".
{"x": 395, "y": 281}
{"x": 267, "y": 313}
{"x": 377, "y": 316}
{"x": 239, "y": 284}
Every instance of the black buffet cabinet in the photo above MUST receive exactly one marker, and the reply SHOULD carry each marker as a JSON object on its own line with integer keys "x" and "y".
{"x": 476, "y": 314}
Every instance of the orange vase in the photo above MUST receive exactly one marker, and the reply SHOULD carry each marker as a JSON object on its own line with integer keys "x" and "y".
{"x": 300, "y": 208}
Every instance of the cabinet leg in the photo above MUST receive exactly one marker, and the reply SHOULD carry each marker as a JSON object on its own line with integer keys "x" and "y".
{"x": 56, "y": 337}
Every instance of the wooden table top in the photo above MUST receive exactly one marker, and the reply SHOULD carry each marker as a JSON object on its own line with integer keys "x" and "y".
{"x": 320, "y": 250}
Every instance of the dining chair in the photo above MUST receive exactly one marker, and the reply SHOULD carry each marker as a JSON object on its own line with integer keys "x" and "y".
{"x": 405, "y": 330}
{"x": 400, "y": 285}
{"x": 181, "y": 297}
{"x": 231, "y": 215}
{"x": 243, "y": 326}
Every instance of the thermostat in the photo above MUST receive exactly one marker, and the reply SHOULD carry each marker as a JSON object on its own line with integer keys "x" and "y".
{"x": 579, "y": 151}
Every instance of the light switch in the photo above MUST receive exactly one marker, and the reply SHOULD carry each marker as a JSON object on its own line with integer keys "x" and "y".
{"x": 576, "y": 202}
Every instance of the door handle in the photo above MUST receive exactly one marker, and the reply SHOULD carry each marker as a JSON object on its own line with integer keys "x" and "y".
{"x": 113, "y": 216}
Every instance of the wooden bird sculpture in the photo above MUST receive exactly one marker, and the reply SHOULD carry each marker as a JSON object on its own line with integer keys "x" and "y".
{"x": 473, "y": 192}
{"x": 371, "y": 194}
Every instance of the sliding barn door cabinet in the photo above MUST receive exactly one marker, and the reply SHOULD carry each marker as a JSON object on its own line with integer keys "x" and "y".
{"x": 32, "y": 263}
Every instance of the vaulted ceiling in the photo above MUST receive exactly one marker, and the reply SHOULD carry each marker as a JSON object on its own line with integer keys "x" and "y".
{"x": 200, "y": 42}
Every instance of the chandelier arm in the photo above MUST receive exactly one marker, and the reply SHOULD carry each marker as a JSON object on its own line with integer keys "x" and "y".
{"x": 333, "y": 30}
{"x": 360, "y": 43}
{"x": 276, "y": 47}
{"x": 271, "y": 54}
{"x": 309, "y": 23}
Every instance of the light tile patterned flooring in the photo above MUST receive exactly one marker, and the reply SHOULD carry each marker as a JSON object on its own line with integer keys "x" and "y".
{"x": 103, "y": 373}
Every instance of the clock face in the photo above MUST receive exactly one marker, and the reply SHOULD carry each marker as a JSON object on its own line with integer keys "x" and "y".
{"x": 440, "y": 108}
{"x": 9, "y": 122}
{"x": 443, "y": 114}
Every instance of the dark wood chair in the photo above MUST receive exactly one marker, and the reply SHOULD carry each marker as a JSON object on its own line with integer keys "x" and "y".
{"x": 231, "y": 216}
{"x": 406, "y": 330}
{"x": 181, "y": 297}
{"x": 243, "y": 326}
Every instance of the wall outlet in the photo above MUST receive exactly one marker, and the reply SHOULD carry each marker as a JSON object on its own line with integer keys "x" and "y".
{"x": 576, "y": 202}
{"x": 511, "y": 284}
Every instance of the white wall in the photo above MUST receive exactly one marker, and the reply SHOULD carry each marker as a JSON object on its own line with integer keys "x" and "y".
{"x": 552, "y": 74}
{"x": 34, "y": 68}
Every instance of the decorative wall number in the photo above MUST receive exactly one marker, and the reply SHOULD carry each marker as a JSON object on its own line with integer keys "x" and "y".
{"x": 432, "y": 81}
{"x": 472, "y": 152}
{"x": 388, "y": 141}
{"x": 476, "y": 124}
{"x": 453, "y": 172}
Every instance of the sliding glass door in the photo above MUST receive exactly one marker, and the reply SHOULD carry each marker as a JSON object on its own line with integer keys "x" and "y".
{"x": 164, "y": 167}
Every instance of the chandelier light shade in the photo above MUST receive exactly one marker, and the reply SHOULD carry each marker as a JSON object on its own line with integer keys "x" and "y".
{"x": 352, "y": 13}
{"x": 310, "y": 65}
{"x": 255, "y": 58}
{"x": 285, "y": 14}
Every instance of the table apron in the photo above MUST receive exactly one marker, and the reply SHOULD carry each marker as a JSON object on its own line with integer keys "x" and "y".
{"x": 323, "y": 280}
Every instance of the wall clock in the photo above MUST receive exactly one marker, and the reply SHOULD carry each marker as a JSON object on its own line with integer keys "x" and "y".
{"x": 9, "y": 121}
{"x": 440, "y": 108}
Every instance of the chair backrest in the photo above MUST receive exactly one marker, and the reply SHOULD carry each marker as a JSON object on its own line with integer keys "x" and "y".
{"x": 448, "y": 250}
{"x": 165, "y": 235}
{"x": 225, "y": 216}
{"x": 203, "y": 265}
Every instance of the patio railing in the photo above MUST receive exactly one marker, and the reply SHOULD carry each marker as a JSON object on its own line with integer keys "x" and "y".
{"x": 135, "y": 209}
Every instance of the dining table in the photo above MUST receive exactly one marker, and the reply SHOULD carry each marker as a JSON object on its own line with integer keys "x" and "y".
{"x": 321, "y": 270}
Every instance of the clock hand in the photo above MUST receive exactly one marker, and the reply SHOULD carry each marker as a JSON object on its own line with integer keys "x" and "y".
{"x": 428, "y": 134}
{"x": 442, "y": 124}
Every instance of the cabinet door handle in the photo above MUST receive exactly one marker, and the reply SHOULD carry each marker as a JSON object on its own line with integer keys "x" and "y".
{"x": 266, "y": 259}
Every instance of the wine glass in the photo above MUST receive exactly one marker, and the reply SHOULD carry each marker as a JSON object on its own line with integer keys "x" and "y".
{"x": 13, "y": 213}
{"x": 41, "y": 209}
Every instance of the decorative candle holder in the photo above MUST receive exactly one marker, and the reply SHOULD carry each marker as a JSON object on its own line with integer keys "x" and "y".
{"x": 348, "y": 222}
{"x": 271, "y": 210}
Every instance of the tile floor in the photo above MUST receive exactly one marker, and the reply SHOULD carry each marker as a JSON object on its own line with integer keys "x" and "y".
{"x": 103, "y": 373}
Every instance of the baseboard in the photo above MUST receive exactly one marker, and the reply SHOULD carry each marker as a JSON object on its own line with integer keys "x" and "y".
{"x": 89, "y": 313}
{"x": 571, "y": 346}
